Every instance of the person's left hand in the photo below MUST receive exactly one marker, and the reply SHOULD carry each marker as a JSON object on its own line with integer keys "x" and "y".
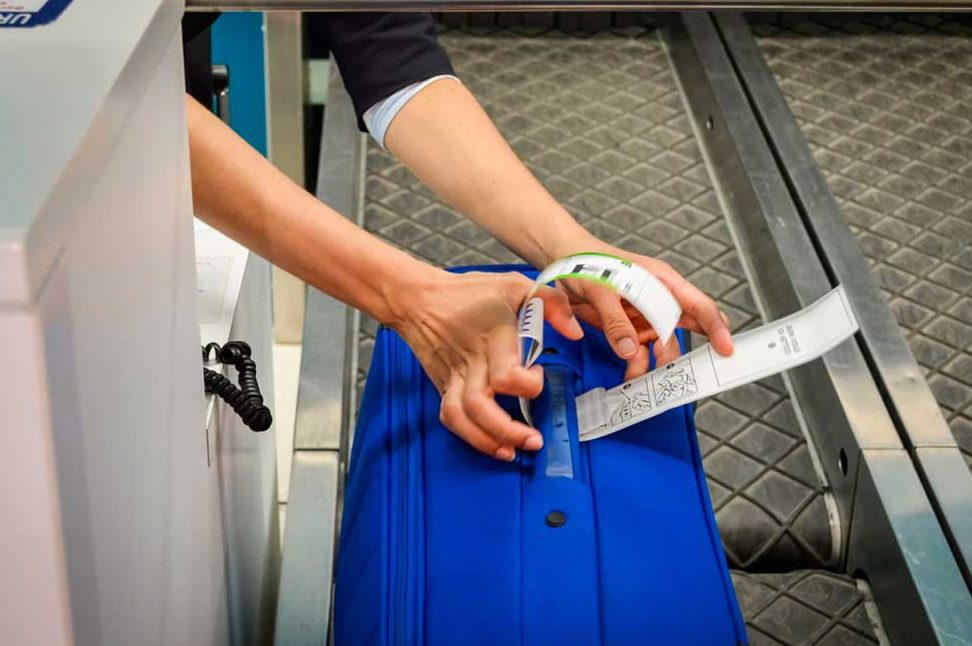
{"x": 625, "y": 328}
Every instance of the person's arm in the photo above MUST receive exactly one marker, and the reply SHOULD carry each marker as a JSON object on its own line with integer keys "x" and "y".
{"x": 461, "y": 327}
{"x": 445, "y": 137}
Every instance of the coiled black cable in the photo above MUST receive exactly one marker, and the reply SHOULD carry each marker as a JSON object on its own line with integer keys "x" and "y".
{"x": 246, "y": 400}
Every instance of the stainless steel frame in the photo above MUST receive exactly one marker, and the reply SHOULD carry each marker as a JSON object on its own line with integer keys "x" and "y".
{"x": 325, "y": 397}
{"x": 285, "y": 139}
{"x": 922, "y": 426}
{"x": 573, "y": 5}
{"x": 891, "y": 533}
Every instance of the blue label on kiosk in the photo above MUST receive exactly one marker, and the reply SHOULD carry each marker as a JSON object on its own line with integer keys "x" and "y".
{"x": 30, "y": 13}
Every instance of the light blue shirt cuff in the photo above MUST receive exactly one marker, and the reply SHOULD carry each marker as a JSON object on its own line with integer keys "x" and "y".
{"x": 378, "y": 117}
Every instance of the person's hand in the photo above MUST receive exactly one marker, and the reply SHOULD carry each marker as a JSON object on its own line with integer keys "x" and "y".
{"x": 625, "y": 328}
{"x": 463, "y": 329}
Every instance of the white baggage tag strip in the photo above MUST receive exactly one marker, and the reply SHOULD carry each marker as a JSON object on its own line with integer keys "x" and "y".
{"x": 531, "y": 342}
{"x": 634, "y": 283}
{"x": 639, "y": 287}
{"x": 761, "y": 352}
{"x": 531, "y": 331}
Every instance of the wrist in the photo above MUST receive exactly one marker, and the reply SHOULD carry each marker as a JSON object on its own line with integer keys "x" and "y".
{"x": 401, "y": 293}
{"x": 575, "y": 241}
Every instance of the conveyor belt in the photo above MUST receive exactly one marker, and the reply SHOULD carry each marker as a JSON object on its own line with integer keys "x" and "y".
{"x": 886, "y": 105}
{"x": 805, "y": 607}
{"x": 600, "y": 122}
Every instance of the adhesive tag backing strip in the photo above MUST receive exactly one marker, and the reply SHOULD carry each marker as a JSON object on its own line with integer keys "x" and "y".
{"x": 761, "y": 352}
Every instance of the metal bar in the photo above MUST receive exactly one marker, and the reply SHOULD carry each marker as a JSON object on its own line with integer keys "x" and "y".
{"x": 843, "y": 411}
{"x": 912, "y": 403}
{"x": 325, "y": 398}
{"x": 324, "y": 390}
{"x": 308, "y": 550}
{"x": 573, "y": 5}
{"x": 285, "y": 139}
{"x": 888, "y": 496}
{"x": 894, "y": 537}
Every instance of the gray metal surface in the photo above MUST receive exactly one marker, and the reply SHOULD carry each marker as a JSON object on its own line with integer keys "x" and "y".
{"x": 324, "y": 405}
{"x": 895, "y": 146}
{"x": 842, "y": 408}
{"x": 894, "y": 535}
{"x": 285, "y": 143}
{"x": 323, "y": 401}
{"x": 930, "y": 602}
{"x": 303, "y": 606}
{"x": 599, "y": 121}
{"x": 804, "y": 607}
{"x": 569, "y": 5}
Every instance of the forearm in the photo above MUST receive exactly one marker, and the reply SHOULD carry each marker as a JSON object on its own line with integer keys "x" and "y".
{"x": 446, "y": 139}
{"x": 243, "y": 195}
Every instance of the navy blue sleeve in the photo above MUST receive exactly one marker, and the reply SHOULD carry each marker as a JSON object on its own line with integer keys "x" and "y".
{"x": 380, "y": 53}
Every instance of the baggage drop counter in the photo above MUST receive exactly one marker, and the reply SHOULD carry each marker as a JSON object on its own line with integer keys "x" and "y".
{"x": 643, "y": 130}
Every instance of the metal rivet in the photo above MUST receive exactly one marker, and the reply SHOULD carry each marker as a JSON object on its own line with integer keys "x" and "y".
{"x": 556, "y": 518}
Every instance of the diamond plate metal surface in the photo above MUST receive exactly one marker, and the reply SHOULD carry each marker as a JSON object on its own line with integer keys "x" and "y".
{"x": 804, "y": 607}
{"x": 886, "y": 104}
{"x": 600, "y": 123}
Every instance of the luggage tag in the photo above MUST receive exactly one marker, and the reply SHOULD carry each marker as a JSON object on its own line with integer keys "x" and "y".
{"x": 640, "y": 288}
{"x": 767, "y": 350}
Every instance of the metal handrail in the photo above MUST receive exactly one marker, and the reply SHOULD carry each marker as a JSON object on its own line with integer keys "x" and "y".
{"x": 576, "y": 5}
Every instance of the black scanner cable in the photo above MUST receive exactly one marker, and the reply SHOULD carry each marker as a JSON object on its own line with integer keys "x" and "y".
{"x": 246, "y": 399}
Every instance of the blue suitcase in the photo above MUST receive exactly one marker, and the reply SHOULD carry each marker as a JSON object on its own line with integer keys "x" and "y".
{"x": 607, "y": 542}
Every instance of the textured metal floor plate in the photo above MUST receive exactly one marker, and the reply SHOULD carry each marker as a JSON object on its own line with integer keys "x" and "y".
{"x": 804, "y": 607}
{"x": 886, "y": 104}
{"x": 599, "y": 121}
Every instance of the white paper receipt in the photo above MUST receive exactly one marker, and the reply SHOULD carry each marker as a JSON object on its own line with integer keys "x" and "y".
{"x": 757, "y": 353}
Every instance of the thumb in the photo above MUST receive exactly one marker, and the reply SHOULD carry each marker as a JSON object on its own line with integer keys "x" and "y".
{"x": 617, "y": 327}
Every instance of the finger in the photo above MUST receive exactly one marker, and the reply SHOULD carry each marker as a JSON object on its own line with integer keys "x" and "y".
{"x": 711, "y": 321}
{"x": 453, "y": 417}
{"x": 638, "y": 364}
{"x": 615, "y": 324}
{"x": 668, "y": 351}
{"x": 481, "y": 408}
{"x": 506, "y": 373}
{"x": 648, "y": 335}
{"x": 557, "y": 312}
{"x": 713, "y": 324}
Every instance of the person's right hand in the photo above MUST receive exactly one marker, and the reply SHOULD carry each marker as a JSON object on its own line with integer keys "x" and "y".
{"x": 463, "y": 329}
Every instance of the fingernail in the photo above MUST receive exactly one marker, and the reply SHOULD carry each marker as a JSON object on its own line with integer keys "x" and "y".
{"x": 533, "y": 443}
{"x": 505, "y": 453}
{"x": 575, "y": 327}
{"x": 626, "y": 348}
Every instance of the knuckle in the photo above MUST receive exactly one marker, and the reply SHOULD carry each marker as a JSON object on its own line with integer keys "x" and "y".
{"x": 503, "y": 435}
{"x": 475, "y": 405}
{"x": 616, "y": 324}
{"x": 502, "y": 381}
